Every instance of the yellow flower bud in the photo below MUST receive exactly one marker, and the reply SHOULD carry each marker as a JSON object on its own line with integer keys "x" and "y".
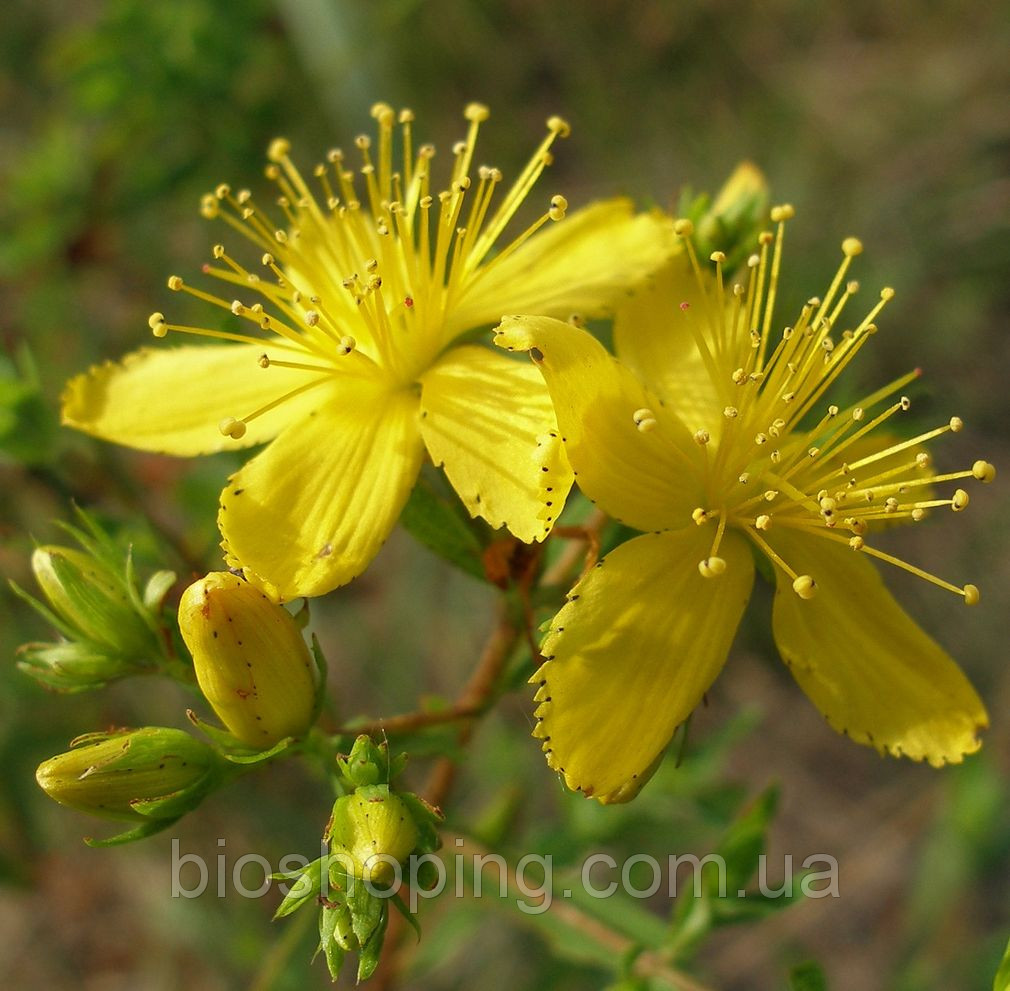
{"x": 370, "y": 828}
{"x": 133, "y": 775}
{"x": 250, "y": 659}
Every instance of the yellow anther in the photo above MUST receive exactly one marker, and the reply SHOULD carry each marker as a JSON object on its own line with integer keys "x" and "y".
{"x": 700, "y": 516}
{"x": 828, "y": 505}
{"x": 761, "y": 438}
{"x": 763, "y": 522}
{"x": 971, "y": 595}
{"x": 744, "y": 477}
{"x": 906, "y": 403}
{"x": 739, "y": 377}
{"x": 766, "y": 237}
{"x": 890, "y": 505}
{"x": 851, "y": 247}
{"x": 278, "y": 149}
{"x": 776, "y": 456}
{"x": 209, "y": 206}
{"x": 712, "y": 567}
{"x": 805, "y": 587}
{"x": 856, "y": 543}
{"x": 771, "y": 495}
{"x": 730, "y": 412}
{"x": 887, "y": 294}
{"x": 264, "y": 361}
{"x": 642, "y": 414}
{"x": 406, "y": 115}
{"x": 783, "y": 212}
{"x": 983, "y": 471}
{"x": 683, "y": 228}
{"x": 231, "y": 427}
{"x": 646, "y": 425}
{"x": 922, "y": 460}
{"x": 559, "y": 126}
{"x": 558, "y": 207}
{"x": 858, "y": 413}
{"x": 956, "y": 424}
{"x": 222, "y": 191}
{"x": 719, "y": 257}
{"x": 960, "y": 501}
{"x": 382, "y": 112}
{"x": 363, "y": 142}
{"x": 175, "y": 283}
{"x": 918, "y": 515}
{"x": 312, "y": 317}
{"x": 347, "y": 345}
{"x": 702, "y": 437}
{"x": 474, "y": 112}
{"x": 852, "y": 287}
{"x": 156, "y": 321}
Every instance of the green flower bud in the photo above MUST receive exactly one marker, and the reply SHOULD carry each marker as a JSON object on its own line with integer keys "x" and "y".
{"x": 132, "y": 775}
{"x": 250, "y": 659}
{"x": 70, "y": 666}
{"x": 372, "y": 821}
{"x": 92, "y": 601}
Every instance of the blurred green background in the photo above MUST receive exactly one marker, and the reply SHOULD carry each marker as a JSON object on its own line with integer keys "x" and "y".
{"x": 884, "y": 120}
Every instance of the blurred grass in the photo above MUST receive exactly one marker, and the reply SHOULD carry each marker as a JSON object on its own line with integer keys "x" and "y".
{"x": 884, "y": 120}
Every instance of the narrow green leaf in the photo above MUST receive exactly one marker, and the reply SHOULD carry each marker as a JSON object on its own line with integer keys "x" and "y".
{"x": 435, "y": 521}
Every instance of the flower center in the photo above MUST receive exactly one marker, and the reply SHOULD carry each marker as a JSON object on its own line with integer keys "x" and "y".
{"x": 777, "y": 456}
{"x": 364, "y": 285}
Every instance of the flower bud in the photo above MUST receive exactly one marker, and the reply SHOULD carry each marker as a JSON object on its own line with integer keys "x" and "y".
{"x": 132, "y": 775}
{"x": 370, "y": 830}
{"x": 70, "y": 666}
{"x": 250, "y": 659}
{"x": 92, "y": 601}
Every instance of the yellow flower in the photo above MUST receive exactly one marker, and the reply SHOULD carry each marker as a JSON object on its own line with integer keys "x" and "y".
{"x": 356, "y": 364}
{"x": 713, "y": 436}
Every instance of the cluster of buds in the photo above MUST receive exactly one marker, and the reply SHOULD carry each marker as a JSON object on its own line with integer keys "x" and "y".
{"x": 730, "y": 224}
{"x": 149, "y": 777}
{"x": 373, "y": 832}
{"x": 109, "y": 628}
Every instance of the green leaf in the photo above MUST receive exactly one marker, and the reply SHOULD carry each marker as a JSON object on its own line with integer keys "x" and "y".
{"x": 434, "y": 519}
{"x": 807, "y": 976}
{"x": 1002, "y": 980}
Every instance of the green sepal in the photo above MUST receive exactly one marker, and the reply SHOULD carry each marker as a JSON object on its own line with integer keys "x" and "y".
{"x": 157, "y": 587}
{"x": 401, "y": 907}
{"x": 305, "y": 889}
{"x": 140, "y": 832}
{"x": 332, "y": 951}
{"x": 370, "y": 952}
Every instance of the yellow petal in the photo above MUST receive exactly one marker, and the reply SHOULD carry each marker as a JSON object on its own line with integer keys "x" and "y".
{"x": 869, "y": 668}
{"x": 648, "y": 479}
{"x": 309, "y": 513}
{"x": 653, "y": 338}
{"x": 171, "y": 400}
{"x": 489, "y": 421}
{"x": 583, "y": 264}
{"x": 629, "y": 657}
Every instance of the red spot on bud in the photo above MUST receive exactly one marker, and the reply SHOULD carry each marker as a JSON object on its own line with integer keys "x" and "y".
{"x": 685, "y": 305}
{"x": 408, "y": 301}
